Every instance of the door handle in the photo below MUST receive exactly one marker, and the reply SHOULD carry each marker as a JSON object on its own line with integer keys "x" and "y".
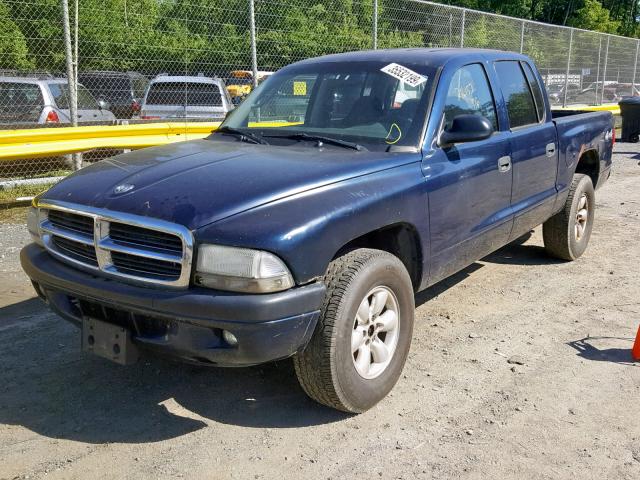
{"x": 551, "y": 149}
{"x": 504, "y": 164}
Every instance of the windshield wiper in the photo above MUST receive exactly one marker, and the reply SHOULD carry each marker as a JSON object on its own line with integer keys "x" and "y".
{"x": 320, "y": 139}
{"x": 242, "y": 135}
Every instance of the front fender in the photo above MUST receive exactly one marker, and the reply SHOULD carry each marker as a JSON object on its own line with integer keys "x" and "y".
{"x": 306, "y": 230}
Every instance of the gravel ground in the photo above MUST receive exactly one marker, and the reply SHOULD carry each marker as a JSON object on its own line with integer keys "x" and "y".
{"x": 520, "y": 368}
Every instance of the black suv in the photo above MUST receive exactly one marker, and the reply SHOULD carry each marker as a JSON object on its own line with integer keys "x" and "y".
{"x": 123, "y": 90}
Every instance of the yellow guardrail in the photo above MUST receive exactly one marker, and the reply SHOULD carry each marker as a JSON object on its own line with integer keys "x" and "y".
{"x": 614, "y": 108}
{"x": 46, "y": 142}
{"x": 49, "y": 142}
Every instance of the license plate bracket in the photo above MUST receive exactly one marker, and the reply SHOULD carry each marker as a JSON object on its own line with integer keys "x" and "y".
{"x": 109, "y": 341}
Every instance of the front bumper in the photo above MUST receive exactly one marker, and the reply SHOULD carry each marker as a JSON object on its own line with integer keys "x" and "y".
{"x": 186, "y": 324}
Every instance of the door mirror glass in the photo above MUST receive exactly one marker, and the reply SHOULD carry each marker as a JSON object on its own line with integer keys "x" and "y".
{"x": 466, "y": 128}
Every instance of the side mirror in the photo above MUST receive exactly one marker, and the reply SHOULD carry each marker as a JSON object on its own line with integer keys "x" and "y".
{"x": 103, "y": 104}
{"x": 466, "y": 128}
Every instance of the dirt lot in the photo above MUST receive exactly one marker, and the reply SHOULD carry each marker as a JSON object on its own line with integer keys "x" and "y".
{"x": 460, "y": 411}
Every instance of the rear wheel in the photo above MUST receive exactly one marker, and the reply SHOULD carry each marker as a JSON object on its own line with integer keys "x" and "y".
{"x": 362, "y": 339}
{"x": 566, "y": 234}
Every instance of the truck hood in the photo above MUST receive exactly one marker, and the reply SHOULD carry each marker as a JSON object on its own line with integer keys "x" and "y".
{"x": 199, "y": 182}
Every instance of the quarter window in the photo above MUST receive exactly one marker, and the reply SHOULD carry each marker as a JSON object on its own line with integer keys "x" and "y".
{"x": 469, "y": 93}
{"x": 517, "y": 95}
{"x": 535, "y": 88}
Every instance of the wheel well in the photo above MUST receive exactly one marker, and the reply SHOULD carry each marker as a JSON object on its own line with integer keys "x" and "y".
{"x": 589, "y": 164}
{"x": 401, "y": 240}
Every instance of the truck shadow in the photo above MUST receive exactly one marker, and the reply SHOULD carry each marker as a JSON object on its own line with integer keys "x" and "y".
{"x": 50, "y": 387}
{"x": 517, "y": 253}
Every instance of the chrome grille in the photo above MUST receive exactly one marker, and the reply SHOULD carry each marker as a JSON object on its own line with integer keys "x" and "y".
{"x": 148, "y": 266}
{"x": 131, "y": 247}
{"x": 78, "y": 251}
{"x": 143, "y": 237}
{"x": 71, "y": 221}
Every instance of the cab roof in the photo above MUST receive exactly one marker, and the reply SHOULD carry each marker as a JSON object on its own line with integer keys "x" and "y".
{"x": 430, "y": 57}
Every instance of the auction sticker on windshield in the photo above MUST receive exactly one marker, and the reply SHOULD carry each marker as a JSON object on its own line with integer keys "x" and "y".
{"x": 405, "y": 74}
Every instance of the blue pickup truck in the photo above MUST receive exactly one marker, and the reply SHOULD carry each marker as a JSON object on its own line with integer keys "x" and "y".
{"x": 304, "y": 225}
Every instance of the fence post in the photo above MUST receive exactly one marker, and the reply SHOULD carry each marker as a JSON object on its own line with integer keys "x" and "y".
{"x": 374, "y": 32}
{"x": 464, "y": 16}
{"x": 566, "y": 76}
{"x": 254, "y": 52}
{"x": 598, "y": 68}
{"x": 604, "y": 73}
{"x": 73, "y": 101}
{"x": 635, "y": 66}
{"x": 522, "y": 38}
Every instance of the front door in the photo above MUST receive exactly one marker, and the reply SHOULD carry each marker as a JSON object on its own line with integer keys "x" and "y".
{"x": 469, "y": 183}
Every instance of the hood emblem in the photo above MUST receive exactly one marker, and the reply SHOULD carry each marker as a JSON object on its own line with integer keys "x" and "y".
{"x": 123, "y": 188}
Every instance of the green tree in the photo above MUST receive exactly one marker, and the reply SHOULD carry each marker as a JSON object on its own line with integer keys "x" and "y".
{"x": 593, "y": 16}
{"x": 14, "y": 53}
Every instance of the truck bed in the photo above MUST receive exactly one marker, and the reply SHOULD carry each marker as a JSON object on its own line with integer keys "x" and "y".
{"x": 580, "y": 131}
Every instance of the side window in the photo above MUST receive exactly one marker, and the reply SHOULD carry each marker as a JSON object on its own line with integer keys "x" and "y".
{"x": 59, "y": 94}
{"x": 469, "y": 93}
{"x": 517, "y": 95}
{"x": 535, "y": 88}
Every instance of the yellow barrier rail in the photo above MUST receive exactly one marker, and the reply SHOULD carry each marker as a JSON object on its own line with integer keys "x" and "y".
{"x": 46, "y": 142}
{"x": 49, "y": 142}
{"x": 614, "y": 108}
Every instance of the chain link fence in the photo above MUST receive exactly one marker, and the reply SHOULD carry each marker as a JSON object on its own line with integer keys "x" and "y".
{"x": 133, "y": 61}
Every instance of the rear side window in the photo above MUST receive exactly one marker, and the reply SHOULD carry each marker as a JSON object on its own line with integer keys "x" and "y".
{"x": 60, "y": 94}
{"x": 185, "y": 93}
{"x": 535, "y": 88}
{"x": 517, "y": 95}
{"x": 469, "y": 93}
{"x": 19, "y": 96}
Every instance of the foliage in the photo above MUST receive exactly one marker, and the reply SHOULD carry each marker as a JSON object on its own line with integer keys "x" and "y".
{"x": 593, "y": 16}
{"x": 212, "y": 36}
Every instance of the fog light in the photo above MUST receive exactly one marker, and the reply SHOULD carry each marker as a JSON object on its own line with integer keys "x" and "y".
{"x": 230, "y": 338}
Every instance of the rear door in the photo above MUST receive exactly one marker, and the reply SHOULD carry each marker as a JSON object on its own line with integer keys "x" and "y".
{"x": 534, "y": 153}
{"x": 469, "y": 183}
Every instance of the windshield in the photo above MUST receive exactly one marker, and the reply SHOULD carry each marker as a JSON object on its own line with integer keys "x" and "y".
{"x": 363, "y": 102}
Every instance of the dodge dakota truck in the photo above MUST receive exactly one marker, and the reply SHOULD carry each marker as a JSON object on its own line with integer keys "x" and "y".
{"x": 307, "y": 234}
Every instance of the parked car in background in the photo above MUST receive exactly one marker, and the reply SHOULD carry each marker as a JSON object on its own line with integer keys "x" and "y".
{"x": 594, "y": 95}
{"x": 240, "y": 82}
{"x": 182, "y": 97}
{"x": 123, "y": 90}
{"x": 555, "y": 91}
{"x": 46, "y": 100}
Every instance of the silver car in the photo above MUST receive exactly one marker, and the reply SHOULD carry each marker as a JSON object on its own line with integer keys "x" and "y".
{"x": 46, "y": 100}
{"x": 181, "y": 97}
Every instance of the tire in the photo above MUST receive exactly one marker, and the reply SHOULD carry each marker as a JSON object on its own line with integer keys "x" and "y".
{"x": 566, "y": 234}
{"x": 328, "y": 368}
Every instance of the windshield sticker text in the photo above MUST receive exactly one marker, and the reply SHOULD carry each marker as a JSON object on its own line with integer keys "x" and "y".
{"x": 404, "y": 74}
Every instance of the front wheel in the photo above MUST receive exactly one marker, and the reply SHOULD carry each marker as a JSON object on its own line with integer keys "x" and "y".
{"x": 363, "y": 335}
{"x": 566, "y": 234}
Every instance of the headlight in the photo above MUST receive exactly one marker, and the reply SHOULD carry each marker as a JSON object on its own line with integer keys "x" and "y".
{"x": 33, "y": 225}
{"x": 241, "y": 270}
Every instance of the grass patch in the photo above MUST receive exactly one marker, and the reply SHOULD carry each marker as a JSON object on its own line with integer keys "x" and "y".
{"x": 23, "y": 191}
{"x": 13, "y": 215}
